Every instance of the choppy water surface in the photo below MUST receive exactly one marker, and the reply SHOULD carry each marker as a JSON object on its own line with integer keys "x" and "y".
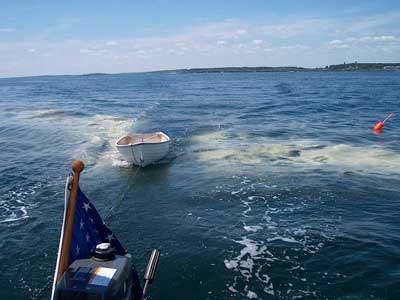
{"x": 275, "y": 186}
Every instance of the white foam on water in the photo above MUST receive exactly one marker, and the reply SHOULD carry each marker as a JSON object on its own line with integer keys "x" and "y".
{"x": 253, "y": 228}
{"x": 371, "y": 158}
{"x": 248, "y": 208}
{"x": 269, "y": 289}
{"x": 120, "y": 163}
{"x": 210, "y": 138}
{"x": 283, "y": 239}
{"x": 23, "y": 214}
{"x": 230, "y": 264}
{"x": 100, "y": 132}
{"x": 269, "y": 240}
{"x": 96, "y": 140}
{"x": 252, "y": 198}
{"x": 268, "y": 286}
{"x": 47, "y": 113}
{"x": 16, "y": 204}
{"x": 251, "y": 295}
{"x": 232, "y": 289}
{"x": 220, "y": 147}
{"x": 299, "y": 232}
{"x": 95, "y": 135}
{"x": 244, "y": 262}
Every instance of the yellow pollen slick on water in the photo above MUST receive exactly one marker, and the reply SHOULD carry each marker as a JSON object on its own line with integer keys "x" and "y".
{"x": 223, "y": 147}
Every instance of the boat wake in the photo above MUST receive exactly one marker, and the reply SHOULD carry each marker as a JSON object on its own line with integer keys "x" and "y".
{"x": 100, "y": 135}
{"x": 272, "y": 244}
{"x": 224, "y": 148}
{"x": 50, "y": 113}
{"x": 16, "y": 204}
{"x": 90, "y": 138}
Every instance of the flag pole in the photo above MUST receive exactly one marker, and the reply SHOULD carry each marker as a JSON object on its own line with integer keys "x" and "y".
{"x": 77, "y": 167}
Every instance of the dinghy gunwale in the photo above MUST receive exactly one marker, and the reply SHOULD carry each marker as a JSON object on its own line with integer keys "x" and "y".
{"x": 168, "y": 139}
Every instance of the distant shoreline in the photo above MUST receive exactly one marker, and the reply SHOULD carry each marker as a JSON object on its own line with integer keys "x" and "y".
{"x": 365, "y": 67}
{"x": 351, "y": 67}
{"x": 335, "y": 68}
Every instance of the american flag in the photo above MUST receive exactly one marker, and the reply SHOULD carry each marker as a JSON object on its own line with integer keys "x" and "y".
{"x": 89, "y": 230}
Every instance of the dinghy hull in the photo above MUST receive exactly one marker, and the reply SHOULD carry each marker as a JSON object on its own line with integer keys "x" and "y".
{"x": 146, "y": 151}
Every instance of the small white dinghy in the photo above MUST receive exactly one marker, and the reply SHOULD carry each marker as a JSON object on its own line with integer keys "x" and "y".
{"x": 144, "y": 149}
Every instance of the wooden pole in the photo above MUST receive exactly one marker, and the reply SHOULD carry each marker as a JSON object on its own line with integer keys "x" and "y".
{"x": 77, "y": 167}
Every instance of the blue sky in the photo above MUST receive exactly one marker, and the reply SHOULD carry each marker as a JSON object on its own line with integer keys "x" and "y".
{"x": 74, "y": 37}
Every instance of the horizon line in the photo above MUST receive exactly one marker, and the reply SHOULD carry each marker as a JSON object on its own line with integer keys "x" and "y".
{"x": 202, "y": 68}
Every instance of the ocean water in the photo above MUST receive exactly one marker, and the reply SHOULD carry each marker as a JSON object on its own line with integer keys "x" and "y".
{"x": 275, "y": 186}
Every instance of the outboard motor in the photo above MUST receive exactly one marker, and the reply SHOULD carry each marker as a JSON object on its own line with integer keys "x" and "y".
{"x": 105, "y": 276}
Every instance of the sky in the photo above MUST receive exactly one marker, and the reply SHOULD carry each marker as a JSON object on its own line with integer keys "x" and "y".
{"x": 40, "y": 37}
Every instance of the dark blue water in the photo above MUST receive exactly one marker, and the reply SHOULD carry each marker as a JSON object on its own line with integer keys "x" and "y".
{"x": 275, "y": 186}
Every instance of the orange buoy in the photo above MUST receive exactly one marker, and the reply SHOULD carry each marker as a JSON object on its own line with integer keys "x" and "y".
{"x": 378, "y": 126}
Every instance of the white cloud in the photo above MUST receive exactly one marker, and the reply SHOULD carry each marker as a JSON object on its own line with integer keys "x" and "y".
{"x": 381, "y": 38}
{"x": 339, "y": 46}
{"x": 335, "y": 42}
{"x": 84, "y": 50}
{"x": 297, "y": 28}
{"x": 294, "y": 47}
{"x": 250, "y": 44}
{"x": 366, "y": 24}
{"x": 111, "y": 43}
{"x": 141, "y": 52}
{"x": 363, "y": 41}
{"x": 317, "y": 27}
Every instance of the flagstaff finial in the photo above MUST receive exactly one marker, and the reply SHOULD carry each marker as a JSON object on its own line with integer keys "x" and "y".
{"x": 78, "y": 166}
